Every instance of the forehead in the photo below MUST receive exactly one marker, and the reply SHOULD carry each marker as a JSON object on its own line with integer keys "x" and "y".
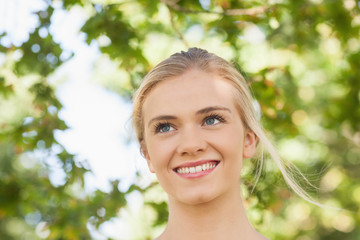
{"x": 191, "y": 91}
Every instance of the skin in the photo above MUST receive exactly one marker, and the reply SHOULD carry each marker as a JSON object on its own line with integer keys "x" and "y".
{"x": 190, "y": 118}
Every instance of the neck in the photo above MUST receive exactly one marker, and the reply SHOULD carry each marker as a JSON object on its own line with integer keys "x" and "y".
{"x": 221, "y": 218}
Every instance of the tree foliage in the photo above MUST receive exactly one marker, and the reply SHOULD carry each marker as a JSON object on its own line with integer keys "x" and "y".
{"x": 302, "y": 59}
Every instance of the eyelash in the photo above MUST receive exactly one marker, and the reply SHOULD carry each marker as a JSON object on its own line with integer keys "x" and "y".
{"x": 159, "y": 125}
{"x": 216, "y": 116}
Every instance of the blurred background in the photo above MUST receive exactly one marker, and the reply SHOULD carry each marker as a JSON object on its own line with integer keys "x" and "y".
{"x": 70, "y": 166}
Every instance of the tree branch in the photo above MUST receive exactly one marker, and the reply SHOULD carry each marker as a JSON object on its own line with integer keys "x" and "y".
{"x": 181, "y": 37}
{"x": 228, "y": 12}
{"x": 246, "y": 11}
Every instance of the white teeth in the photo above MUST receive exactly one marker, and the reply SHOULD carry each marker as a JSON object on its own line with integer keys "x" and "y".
{"x": 199, "y": 168}
{"x": 203, "y": 167}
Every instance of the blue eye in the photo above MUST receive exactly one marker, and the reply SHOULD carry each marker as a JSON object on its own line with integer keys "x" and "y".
{"x": 163, "y": 128}
{"x": 211, "y": 121}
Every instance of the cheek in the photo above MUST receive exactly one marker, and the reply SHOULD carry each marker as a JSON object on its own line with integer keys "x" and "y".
{"x": 232, "y": 152}
{"x": 159, "y": 153}
{"x": 231, "y": 141}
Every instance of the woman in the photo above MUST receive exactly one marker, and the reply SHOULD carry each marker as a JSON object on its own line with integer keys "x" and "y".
{"x": 195, "y": 122}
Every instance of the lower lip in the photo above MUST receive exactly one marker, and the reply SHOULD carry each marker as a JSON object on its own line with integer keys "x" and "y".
{"x": 197, "y": 174}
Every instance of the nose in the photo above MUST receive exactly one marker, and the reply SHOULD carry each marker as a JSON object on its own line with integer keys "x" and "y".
{"x": 191, "y": 142}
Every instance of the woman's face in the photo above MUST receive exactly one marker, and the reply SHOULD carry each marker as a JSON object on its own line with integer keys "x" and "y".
{"x": 194, "y": 139}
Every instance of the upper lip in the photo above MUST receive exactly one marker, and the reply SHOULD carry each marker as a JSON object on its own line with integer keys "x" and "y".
{"x": 197, "y": 163}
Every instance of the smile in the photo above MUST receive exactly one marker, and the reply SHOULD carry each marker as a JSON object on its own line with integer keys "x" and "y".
{"x": 196, "y": 169}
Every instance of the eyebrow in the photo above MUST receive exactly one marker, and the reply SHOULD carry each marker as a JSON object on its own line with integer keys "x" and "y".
{"x": 161, "y": 118}
{"x": 211, "y": 109}
{"x": 199, "y": 112}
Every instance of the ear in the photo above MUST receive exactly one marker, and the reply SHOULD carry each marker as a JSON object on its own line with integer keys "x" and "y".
{"x": 249, "y": 144}
{"x": 145, "y": 153}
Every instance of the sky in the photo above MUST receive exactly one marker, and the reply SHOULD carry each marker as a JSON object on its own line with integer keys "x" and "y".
{"x": 98, "y": 119}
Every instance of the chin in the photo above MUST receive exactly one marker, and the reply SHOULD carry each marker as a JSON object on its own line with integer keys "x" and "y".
{"x": 196, "y": 198}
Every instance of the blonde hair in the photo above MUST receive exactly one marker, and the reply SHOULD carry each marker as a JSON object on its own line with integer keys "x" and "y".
{"x": 196, "y": 58}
